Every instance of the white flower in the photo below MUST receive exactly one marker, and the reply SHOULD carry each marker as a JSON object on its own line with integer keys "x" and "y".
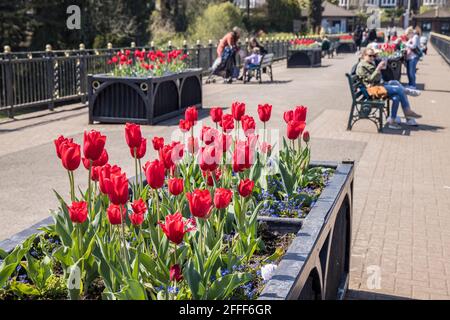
{"x": 267, "y": 271}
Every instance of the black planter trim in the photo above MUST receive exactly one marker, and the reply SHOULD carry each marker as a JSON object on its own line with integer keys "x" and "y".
{"x": 345, "y": 47}
{"x": 317, "y": 263}
{"x": 143, "y": 100}
{"x": 304, "y": 58}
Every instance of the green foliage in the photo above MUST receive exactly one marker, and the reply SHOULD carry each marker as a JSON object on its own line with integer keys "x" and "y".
{"x": 282, "y": 13}
{"x": 315, "y": 15}
{"x": 216, "y": 21}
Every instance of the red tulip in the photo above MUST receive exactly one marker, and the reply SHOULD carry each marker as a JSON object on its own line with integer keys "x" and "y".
{"x": 175, "y": 228}
{"x": 306, "y": 136}
{"x": 139, "y": 209}
{"x": 176, "y": 186}
{"x": 58, "y": 142}
{"x": 227, "y": 123}
{"x": 133, "y": 135}
{"x": 224, "y": 142}
{"x": 97, "y": 163}
{"x": 70, "y": 155}
{"x": 93, "y": 144}
{"x": 117, "y": 187}
{"x": 78, "y": 212}
{"x": 216, "y": 114}
{"x": 209, "y": 158}
{"x": 248, "y": 124}
{"x": 113, "y": 213}
{"x": 95, "y": 173}
{"x": 192, "y": 145}
{"x": 199, "y": 203}
{"x": 166, "y": 157}
{"x": 158, "y": 143}
{"x": 185, "y": 125}
{"x": 288, "y": 116}
{"x": 209, "y": 176}
{"x": 106, "y": 172}
{"x": 264, "y": 112}
{"x": 175, "y": 273}
{"x": 295, "y": 129}
{"x": 245, "y": 187}
{"x": 242, "y": 156}
{"x": 191, "y": 115}
{"x": 300, "y": 113}
{"x": 155, "y": 173}
{"x": 238, "y": 110}
{"x": 208, "y": 135}
{"x": 222, "y": 198}
{"x": 141, "y": 150}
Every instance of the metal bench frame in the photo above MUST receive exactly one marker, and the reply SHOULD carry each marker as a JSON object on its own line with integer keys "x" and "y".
{"x": 266, "y": 62}
{"x": 365, "y": 108}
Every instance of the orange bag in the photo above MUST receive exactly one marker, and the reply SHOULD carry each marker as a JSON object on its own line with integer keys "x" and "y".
{"x": 377, "y": 92}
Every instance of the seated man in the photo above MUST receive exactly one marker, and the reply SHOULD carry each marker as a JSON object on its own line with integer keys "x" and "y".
{"x": 370, "y": 76}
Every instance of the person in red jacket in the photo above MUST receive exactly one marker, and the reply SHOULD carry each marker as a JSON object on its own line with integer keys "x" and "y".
{"x": 229, "y": 40}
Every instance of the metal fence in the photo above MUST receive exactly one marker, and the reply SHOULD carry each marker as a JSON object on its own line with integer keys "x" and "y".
{"x": 29, "y": 79}
{"x": 442, "y": 44}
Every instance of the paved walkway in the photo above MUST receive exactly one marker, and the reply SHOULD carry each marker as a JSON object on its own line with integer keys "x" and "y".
{"x": 401, "y": 227}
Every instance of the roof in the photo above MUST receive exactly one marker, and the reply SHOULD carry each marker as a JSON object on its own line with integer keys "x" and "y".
{"x": 435, "y": 13}
{"x": 331, "y": 10}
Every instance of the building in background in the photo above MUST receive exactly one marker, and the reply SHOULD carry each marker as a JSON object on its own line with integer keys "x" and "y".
{"x": 414, "y": 4}
{"x": 437, "y": 20}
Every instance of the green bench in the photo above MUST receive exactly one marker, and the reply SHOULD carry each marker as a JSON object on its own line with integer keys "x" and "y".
{"x": 265, "y": 64}
{"x": 364, "y": 107}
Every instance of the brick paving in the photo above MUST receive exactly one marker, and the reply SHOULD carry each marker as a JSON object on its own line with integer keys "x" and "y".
{"x": 401, "y": 224}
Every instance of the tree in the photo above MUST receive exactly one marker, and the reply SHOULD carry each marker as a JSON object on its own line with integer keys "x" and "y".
{"x": 315, "y": 15}
{"x": 282, "y": 13}
{"x": 13, "y": 23}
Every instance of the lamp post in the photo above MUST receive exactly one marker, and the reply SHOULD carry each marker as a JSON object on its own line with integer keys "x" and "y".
{"x": 406, "y": 15}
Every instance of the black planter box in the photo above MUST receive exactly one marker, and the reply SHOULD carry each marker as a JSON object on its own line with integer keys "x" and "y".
{"x": 144, "y": 100}
{"x": 317, "y": 263}
{"x": 345, "y": 47}
{"x": 393, "y": 70}
{"x": 304, "y": 58}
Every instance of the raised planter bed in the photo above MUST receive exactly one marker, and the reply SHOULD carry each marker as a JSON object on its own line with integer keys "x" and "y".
{"x": 393, "y": 70}
{"x": 304, "y": 58}
{"x": 345, "y": 47}
{"x": 316, "y": 264}
{"x": 144, "y": 100}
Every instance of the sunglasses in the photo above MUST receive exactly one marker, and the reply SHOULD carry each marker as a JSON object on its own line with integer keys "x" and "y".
{"x": 371, "y": 55}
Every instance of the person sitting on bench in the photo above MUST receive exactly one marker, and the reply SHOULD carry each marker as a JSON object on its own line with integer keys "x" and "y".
{"x": 370, "y": 76}
{"x": 252, "y": 61}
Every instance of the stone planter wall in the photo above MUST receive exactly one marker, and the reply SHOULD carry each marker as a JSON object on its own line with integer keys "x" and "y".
{"x": 304, "y": 58}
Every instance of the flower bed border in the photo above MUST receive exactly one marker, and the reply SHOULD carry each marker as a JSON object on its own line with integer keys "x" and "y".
{"x": 142, "y": 97}
{"x": 314, "y": 56}
{"x": 309, "y": 268}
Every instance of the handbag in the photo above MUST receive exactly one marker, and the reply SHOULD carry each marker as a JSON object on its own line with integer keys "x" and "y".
{"x": 377, "y": 92}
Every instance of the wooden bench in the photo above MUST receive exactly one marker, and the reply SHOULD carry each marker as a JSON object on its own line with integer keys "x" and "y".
{"x": 265, "y": 64}
{"x": 364, "y": 107}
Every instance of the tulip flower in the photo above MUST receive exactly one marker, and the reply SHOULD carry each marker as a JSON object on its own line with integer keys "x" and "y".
{"x": 216, "y": 114}
{"x": 117, "y": 187}
{"x": 158, "y": 143}
{"x": 264, "y": 112}
{"x": 224, "y": 142}
{"x": 227, "y": 123}
{"x": 288, "y": 116}
{"x": 175, "y": 273}
{"x": 248, "y": 124}
{"x": 155, "y": 173}
{"x": 97, "y": 163}
{"x": 295, "y": 129}
{"x": 175, "y": 227}
{"x": 93, "y": 144}
{"x": 245, "y": 187}
{"x": 208, "y": 135}
{"x": 191, "y": 115}
{"x": 192, "y": 145}
{"x": 141, "y": 150}
{"x": 139, "y": 209}
{"x": 133, "y": 135}
{"x": 166, "y": 156}
{"x": 58, "y": 142}
{"x": 106, "y": 172}
{"x": 176, "y": 186}
{"x": 300, "y": 113}
{"x": 199, "y": 203}
{"x": 306, "y": 136}
{"x": 242, "y": 156}
{"x": 209, "y": 158}
{"x": 70, "y": 155}
{"x": 209, "y": 176}
{"x": 78, "y": 211}
{"x": 222, "y": 198}
{"x": 238, "y": 110}
{"x": 185, "y": 125}
{"x": 114, "y": 214}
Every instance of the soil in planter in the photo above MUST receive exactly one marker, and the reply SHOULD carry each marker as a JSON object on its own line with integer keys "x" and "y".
{"x": 276, "y": 245}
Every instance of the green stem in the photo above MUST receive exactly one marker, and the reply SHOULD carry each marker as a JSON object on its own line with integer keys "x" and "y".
{"x": 123, "y": 236}
{"x": 89, "y": 189}
{"x": 136, "y": 195}
{"x": 140, "y": 175}
{"x": 72, "y": 191}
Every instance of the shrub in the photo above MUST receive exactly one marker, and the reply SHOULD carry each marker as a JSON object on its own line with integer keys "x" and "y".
{"x": 216, "y": 21}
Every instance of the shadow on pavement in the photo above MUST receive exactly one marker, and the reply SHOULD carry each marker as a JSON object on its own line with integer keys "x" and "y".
{"x": 365, "y": 295}
{"x": 406, "y": 130}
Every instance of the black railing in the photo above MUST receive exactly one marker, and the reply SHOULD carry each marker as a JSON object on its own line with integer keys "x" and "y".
{"x": 442, "y": 44}
{"x": 29, "y": 79}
